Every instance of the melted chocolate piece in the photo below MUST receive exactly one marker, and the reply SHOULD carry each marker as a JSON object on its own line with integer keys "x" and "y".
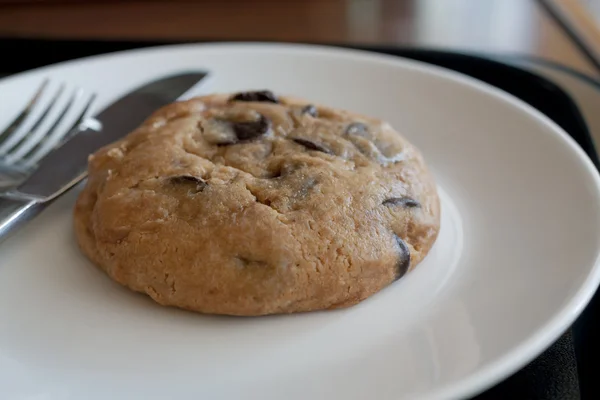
{"x": 312, "y": 145}
{"x": 402, "y": 201}
{"x": 403, "y": 259}
{"x": 358, "y": 129}
{"x": 199, "y": 183}
{"x": 307, "y": 186}
{"x": 310, "y": 110}
{"x": 248, "y": 262}
{"x": 251, "y": 130}
{"x": 260, "y": 95}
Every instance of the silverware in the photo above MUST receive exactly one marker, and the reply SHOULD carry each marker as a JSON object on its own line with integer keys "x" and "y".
{"x": 28, "y": 138}
{"x": 62, "y": 168}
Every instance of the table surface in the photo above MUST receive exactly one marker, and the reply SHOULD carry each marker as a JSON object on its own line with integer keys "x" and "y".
{"x": 496, "y": 26}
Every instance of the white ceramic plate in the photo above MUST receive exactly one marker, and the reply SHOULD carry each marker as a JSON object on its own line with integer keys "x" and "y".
{"x": 515, "y": 263}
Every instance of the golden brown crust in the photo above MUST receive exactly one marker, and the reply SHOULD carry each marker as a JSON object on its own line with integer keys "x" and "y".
{"x": 304, "y": 216}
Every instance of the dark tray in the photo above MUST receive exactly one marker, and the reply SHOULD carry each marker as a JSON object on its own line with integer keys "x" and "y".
{"x": 554, "y": 374}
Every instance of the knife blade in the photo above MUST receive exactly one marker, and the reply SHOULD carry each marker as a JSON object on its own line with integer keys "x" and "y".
{"x": 66, "y": 165}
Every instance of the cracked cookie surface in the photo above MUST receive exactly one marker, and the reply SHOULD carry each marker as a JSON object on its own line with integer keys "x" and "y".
{"x": 253, "y": 204}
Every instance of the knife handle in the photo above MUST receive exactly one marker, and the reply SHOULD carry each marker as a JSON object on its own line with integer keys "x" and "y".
{"x": 14, "y": 214}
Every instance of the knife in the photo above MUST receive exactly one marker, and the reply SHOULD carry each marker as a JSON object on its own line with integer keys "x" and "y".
{"x": 65, "y": 166}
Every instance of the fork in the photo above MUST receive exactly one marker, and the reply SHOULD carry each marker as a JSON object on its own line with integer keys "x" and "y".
{"x": 38, "y": 129}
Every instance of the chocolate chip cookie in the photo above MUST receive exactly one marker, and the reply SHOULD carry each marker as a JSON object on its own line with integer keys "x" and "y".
{"x": 253, "y": 204}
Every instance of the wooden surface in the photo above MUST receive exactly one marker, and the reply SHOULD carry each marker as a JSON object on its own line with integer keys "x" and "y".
{"x": 496, "y": 26}
{"x": 582, "y": 17}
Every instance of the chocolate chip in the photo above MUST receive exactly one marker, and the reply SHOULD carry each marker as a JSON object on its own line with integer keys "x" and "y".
{"x": 274, "y": 174}
{"x": 311, "y": 145}
{"x": 260, "y": 95}
{"x": 401, "y": 201}
{"x": 199, "y": 183}
{"x": 403, "y": 259}
{"x": 233, "y": 127}
{"x": 310, "y": 110}
{"x": 307, "y": 186}
{"x": 248, "y": 262}
{"x": 357, "y": 129}
{"x": 251, "y": 130}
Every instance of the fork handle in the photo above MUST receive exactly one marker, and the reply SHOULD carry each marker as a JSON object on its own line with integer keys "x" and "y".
{"x": 14, "y": 214}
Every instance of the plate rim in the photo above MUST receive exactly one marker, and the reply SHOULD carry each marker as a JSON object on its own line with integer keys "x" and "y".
{"x": 528, "y": 348}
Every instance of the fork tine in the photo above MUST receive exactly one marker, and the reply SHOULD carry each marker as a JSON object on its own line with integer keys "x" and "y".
{"x": 80, "y": 118}
{"x": 5, "y": 134}
{"x": 36, "y": 125}
{"x": 39, "y": 151}
{"x": 30, "y": 147}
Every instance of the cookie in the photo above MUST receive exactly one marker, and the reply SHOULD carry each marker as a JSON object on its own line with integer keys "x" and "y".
{"x": 253, "y": 204}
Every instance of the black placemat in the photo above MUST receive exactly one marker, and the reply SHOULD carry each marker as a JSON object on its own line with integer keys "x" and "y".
{"x": 554, "y": 374}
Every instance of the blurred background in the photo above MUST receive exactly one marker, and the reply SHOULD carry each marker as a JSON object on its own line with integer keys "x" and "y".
{"x": 542, "y": 28}
{"x": 556, "y": 39}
